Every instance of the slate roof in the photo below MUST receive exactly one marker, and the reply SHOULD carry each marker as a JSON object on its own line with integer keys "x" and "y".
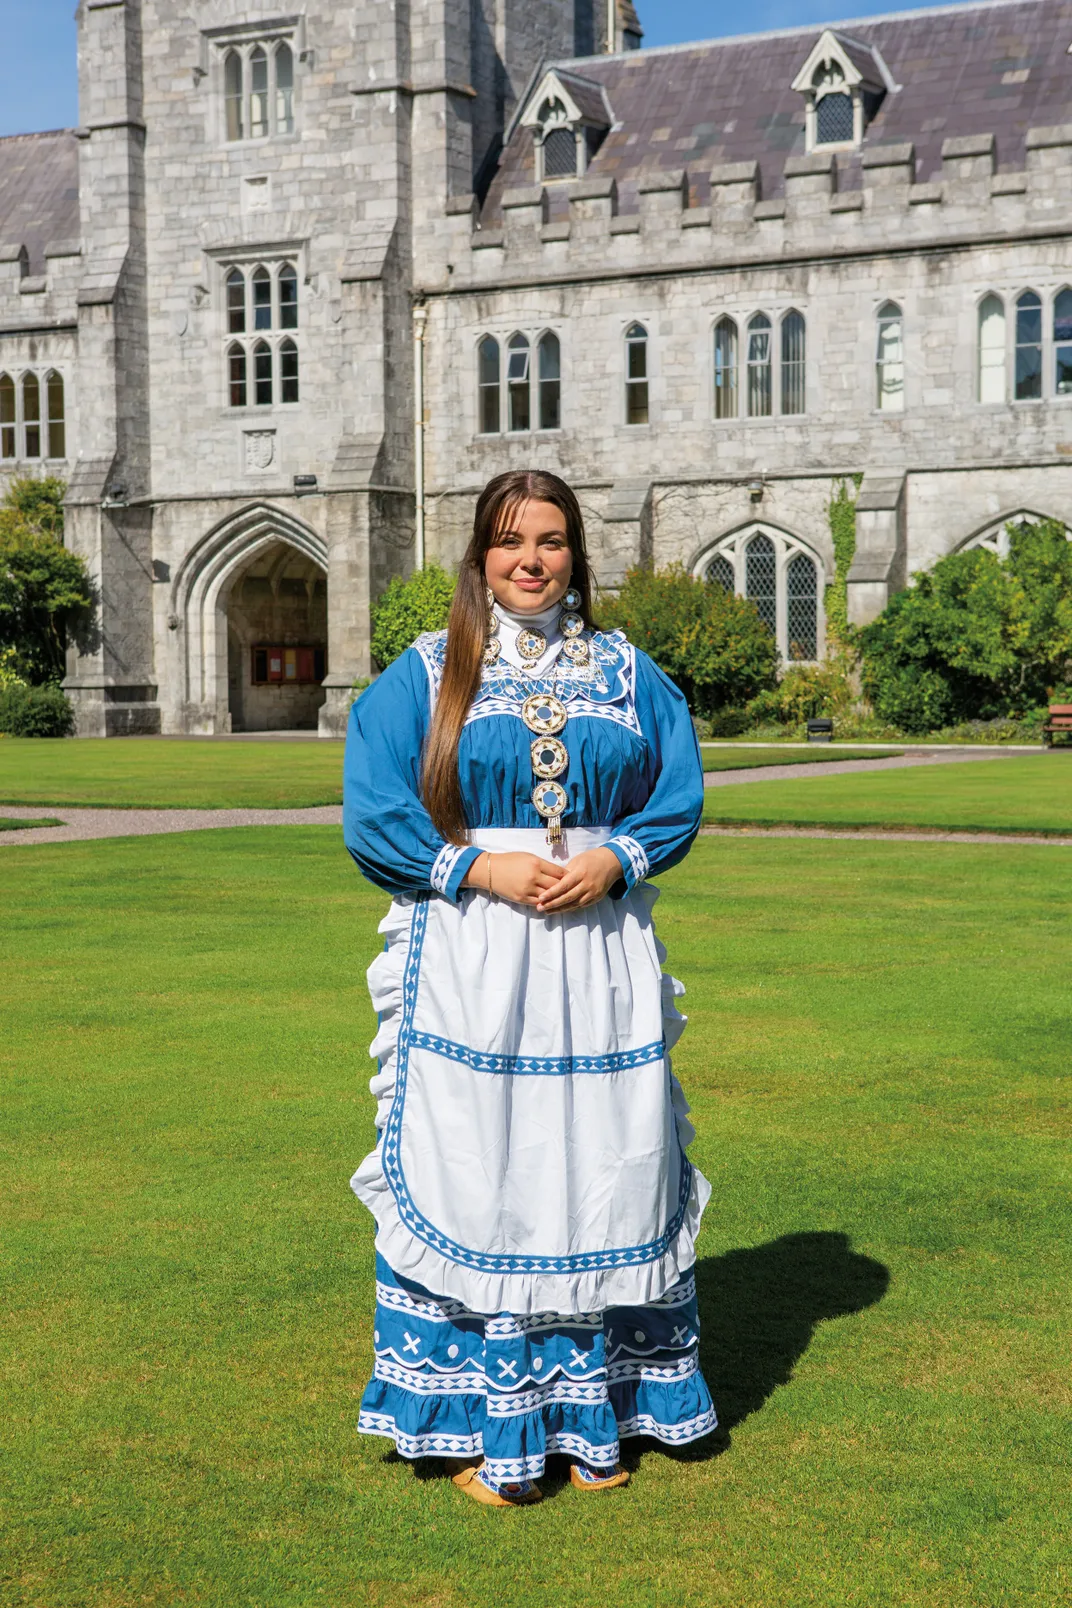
{"x": 994, "y": 68}
{"x": 39, "y": 192}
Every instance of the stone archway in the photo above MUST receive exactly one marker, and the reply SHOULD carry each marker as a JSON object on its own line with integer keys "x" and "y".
{"x": 257, "y": 580}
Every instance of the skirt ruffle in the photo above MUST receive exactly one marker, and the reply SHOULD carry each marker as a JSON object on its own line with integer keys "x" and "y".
{"x": 413, "y": 1257}
{"x": 517, "y": 1389}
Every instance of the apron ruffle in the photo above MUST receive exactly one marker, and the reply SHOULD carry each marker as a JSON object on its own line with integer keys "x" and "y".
{"x": 490, "y": 1290}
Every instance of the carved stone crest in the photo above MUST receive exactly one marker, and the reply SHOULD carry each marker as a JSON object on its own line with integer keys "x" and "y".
{"x": 260, "y": 449}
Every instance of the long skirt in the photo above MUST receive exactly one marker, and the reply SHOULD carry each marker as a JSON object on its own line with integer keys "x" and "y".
{"x": 452, "y": 1383}
{"x": 531, "y": 1176}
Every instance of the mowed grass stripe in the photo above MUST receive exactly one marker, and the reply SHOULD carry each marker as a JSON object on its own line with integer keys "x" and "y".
{"x": 877, "y": 1060}
{"x": 720, "y": 759}
{"x": 170, "y": 773}
{"x": 1033, "y": 794}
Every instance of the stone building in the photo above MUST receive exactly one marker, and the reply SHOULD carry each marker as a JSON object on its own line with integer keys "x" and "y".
{"x": 704, "y": 282}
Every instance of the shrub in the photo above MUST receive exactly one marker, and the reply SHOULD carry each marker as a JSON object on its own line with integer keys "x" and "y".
{"x": 43, "y": 587}
{"x": 976, "y": 637}
{"x": 9, "y": 668}
{"x": 419, "y": 603}
{"x": 35, "y": 711}
{"x": 712, "y": 644}
{"x": 804, "y": 693}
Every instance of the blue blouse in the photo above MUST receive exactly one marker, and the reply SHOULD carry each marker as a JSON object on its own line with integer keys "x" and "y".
{"x": 634, "y": 764}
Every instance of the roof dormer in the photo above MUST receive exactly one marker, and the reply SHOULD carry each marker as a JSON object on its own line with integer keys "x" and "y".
{"x": 843, "y": 83}
{"x": 569, "y": 116}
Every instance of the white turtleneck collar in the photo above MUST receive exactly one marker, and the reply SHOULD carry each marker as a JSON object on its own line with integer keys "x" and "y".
{"x": 509, "y": 626}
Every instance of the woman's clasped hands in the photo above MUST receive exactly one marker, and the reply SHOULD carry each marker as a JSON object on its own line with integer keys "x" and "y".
{"x": 526, "y": 879}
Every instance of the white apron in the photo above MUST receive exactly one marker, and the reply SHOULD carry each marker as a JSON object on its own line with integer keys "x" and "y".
{"x": 531, "y": 1155}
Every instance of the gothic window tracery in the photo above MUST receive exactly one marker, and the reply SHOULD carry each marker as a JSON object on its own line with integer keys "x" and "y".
{"x": 781, "y": 577}
{"x": 505, "y": 390}
{"x": 33, "y": 421}
{"x": 263, "y": 301}
{"x": 258, "y": 89}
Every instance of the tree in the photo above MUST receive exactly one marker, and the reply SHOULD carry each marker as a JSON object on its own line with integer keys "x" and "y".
{"x": 43, "y": 587}
{"x": 710, "y": 642}
{"x": 976, "y": 637}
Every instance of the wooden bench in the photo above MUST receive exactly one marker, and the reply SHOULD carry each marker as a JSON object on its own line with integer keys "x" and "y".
{"x": 1058, "y": 725}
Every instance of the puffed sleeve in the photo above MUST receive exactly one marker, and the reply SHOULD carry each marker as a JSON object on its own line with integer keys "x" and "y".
{"x": 660, "y": 834}
{"x": 385, "y": 826}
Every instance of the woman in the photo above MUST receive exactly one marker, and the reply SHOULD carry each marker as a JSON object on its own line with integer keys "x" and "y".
{"x": 512, "y": 781}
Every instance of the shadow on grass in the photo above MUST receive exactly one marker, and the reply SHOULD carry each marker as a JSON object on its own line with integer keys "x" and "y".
{"x": 758, "y": 1311}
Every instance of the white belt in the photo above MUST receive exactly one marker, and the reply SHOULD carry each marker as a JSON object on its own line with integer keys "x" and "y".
{"x": 533, "y": 840}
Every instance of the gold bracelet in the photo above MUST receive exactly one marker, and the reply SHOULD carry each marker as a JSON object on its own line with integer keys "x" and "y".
{"x": 491, "y": 890}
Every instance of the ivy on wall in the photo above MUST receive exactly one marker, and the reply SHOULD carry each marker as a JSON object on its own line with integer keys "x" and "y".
{"x": 841, "y": 514}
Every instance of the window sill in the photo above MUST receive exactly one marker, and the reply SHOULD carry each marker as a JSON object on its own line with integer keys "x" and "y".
{"x": 260, "y": 411}
{"x": 258, "y": 143}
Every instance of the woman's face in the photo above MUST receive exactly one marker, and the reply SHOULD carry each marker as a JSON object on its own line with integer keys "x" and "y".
{"x": 530, "y": 565}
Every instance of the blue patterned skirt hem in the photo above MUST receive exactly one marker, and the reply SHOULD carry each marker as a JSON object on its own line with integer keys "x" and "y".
{"x": 517, "y": 1389}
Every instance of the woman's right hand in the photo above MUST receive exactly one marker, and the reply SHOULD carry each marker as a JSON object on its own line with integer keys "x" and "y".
{"x": 521, "y": 878}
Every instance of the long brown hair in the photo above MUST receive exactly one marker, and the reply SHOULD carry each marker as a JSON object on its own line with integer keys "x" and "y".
{"x": 467, "y": 630}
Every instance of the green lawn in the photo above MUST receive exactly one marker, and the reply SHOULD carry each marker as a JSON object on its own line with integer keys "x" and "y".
{"x": 718, "y": 759}
{"x": 876, "y": 1059}
{"x": 211, "y": 773}
{"x": 1033, "y": 794}
{"x": 21, "y": 823}
{"x": 170, "y": 773}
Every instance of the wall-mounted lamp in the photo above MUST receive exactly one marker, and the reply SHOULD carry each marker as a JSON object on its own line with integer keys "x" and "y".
{"x": 755, "y": 490}
{"x": 304, "y": 485}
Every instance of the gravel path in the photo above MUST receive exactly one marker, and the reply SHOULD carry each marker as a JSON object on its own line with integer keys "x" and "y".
{"x": 892, "y": 836}
{"x": 80, "y": 825}
{"x": 845, "y": 767}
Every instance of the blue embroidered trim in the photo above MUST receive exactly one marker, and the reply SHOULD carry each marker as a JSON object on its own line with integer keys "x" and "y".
{"x": 538, "y": 1065}
{"x": 638, "y": 859}
{"x": 604, "y": 689}
{"x": 443, "y": 865}
{"x": 419, "y": 1225}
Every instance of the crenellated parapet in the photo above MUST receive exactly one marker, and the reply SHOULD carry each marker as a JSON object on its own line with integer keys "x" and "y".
{"x": 826, "y": 208}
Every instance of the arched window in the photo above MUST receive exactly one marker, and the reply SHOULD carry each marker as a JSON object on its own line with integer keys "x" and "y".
{"x": 1062, "y": 342}
{"x": 288, "y": 297}
{"x": 288, "y": 371}
{"x": 991, "y": 349}
{"x": 725, "y": 369}
{"x": 284, "y": 90}
{"x": 262, "y": 299}
{"x": 550, "y": 378}
{"x": 232, "y": 94}
{"x": 31, "y": 415}
{"x": 759, "y": 366}
{"x": 1028, "y": 347}
{"x": 7, "y": 417}
{"x": 720, "y": 572}
{"x": 236, "y": 374}
{"x": 57, "y": 428}
{"x": 761, "y": 580}
{"x": 258, "y": 93}
{"x": 517, "y": 383}
{"x": 889, "y": 359}
{"x": 801, "y": 608}
{"x": 781, "y": 577}
{"x": 487, "y": 370}
{"x": 636, "y": 374}
{"x": 262, "y": 374}
{"x": 236, "y": 302}
{"x": 793, "y": 362}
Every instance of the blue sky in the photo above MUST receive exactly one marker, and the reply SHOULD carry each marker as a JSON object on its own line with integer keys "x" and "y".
{"x": 38, "y": 86}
